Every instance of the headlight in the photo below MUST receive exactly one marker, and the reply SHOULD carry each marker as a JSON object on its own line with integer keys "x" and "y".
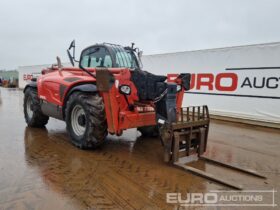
{"x": 179, "y": 88}
{"x": 125, "y": 89}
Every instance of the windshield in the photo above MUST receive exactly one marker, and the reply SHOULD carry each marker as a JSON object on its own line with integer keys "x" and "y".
{"x": 96, "y": 57}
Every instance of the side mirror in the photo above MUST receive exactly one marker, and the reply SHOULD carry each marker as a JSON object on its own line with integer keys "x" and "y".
{"x": 72, "y": 45}
{"x": 186, "y": 80}
{"x": 72, "y": 57}
{"x": 140, "y": 53}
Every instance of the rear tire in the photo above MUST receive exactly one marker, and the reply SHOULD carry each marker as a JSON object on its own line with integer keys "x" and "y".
{"x": 32, "y": 109}
{"x": 149, "y": 131}
{"x": 86, "y": 120}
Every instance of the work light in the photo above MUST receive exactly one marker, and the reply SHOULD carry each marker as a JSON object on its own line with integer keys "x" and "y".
{"x": 125, "y": 89}
{"x": 179, "y": 88}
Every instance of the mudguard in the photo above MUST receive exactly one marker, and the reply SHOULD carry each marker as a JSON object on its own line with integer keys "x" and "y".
{"x": 87, "y": 88}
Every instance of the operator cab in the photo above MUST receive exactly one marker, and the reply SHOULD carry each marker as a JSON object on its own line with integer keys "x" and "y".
{"x": 148, "y": 85}
{"x": 109, "y": 56}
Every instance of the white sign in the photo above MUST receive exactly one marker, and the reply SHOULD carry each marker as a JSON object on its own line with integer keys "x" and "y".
{"x": 241, "y": 82}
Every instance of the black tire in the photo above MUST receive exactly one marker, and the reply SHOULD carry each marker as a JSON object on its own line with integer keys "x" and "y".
{"x": 149, "y": 131}
{"x": 32, "y": 109}
{"x": 87, "y": 127}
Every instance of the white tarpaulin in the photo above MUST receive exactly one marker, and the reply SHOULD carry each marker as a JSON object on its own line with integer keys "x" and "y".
{"x": 241, "y": 82}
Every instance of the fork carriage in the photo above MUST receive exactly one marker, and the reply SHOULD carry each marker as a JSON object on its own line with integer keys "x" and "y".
{"x": 187, "y": 135}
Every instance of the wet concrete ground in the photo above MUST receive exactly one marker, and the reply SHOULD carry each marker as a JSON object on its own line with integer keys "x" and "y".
{"x": 41, "y": 169}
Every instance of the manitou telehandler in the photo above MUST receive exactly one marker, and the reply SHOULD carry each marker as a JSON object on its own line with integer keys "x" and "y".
{"x": 109, "y": 92}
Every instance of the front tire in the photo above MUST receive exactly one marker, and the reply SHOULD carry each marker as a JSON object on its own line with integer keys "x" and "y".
{"x": 32, "y": 109}
{"x": 86, "y": 120}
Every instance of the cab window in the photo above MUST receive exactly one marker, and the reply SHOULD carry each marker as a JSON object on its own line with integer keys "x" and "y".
{"x": 96, "y": 57}
{"x": 124, "y": 58}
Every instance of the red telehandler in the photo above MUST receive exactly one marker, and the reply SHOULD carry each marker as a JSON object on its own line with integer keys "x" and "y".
{"x": 109, "y": 92}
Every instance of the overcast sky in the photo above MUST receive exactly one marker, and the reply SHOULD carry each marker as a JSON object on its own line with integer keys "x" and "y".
{"x": 36, "y": 31}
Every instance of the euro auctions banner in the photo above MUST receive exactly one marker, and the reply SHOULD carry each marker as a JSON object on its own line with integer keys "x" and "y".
{"x": 27, "y": 73}
{"x": 242, "y": 82}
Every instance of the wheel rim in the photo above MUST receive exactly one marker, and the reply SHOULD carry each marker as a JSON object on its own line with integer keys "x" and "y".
{"x": 29, "y": 107}
{"x": 78, "y": 120}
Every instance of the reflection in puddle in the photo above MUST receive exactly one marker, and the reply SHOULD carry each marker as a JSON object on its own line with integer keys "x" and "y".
{"x": 129, "y": 135}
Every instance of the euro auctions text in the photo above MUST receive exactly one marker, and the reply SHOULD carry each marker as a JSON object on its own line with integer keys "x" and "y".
{"x": 264, "y": 198}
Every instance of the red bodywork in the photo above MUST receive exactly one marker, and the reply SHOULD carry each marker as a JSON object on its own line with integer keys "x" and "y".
{"x": 54, "y": 86}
